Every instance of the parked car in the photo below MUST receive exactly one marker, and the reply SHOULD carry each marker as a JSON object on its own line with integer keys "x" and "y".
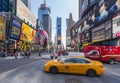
{"x": 76, "y": 66}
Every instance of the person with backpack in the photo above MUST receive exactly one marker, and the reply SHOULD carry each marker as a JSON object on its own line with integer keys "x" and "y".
{"x": 3, "y": 53}
{"x": 15, "y": 53}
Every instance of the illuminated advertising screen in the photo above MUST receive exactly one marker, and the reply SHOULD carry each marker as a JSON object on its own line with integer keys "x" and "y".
{"x": 84, "y": 5}
{"x": 116, "y": 26}
{"x": 26, "y": 34}
{"x": 87, "y": 4}
{"x": 86, "y": 36}
{"x": 68, "y": 41}
{"x": 59, "y": 31}
{"x": 98, "y": 18}
{"x": 24, "y": 13}
{"x": 74, "y": 33}
{"x": 59, "y": 42}
{"x": 102, "y": 32}
{"x": 59, "y": 37}
{"x": 108, "y": 29}
{"x": 2, "y": 28}
{"x": 103, "y": 11}
{"x": 16, "y": 26}
{"x": 92, "y": 2}
{"x": 98, "y": 33}
{"x": 33, "y": 35}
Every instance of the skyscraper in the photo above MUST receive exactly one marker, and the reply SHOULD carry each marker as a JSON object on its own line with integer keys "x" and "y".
{"x": 58, "y": 32}
{"x": 44, "y": 18}
{"x": 8, "y": 6}
{"x": 70, "y": 22}
{"x": 4, "y": 5}
{"x": 27, "y": 3}
{"x": 80, "y": 8}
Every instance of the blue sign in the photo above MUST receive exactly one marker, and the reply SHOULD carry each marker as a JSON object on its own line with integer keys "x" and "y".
{"x": 59, "y": 42}
{"x": 15, "y": 30}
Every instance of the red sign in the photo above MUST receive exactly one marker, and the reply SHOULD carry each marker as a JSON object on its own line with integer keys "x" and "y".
{"x": 118, "y": 34}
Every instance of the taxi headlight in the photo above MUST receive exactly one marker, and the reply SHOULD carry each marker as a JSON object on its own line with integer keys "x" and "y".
{"x": 46, "y": 64}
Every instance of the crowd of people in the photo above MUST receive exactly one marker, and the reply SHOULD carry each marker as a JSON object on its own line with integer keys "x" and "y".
{"x": 26, "y": 54}
{"x": 4, "y": 53}
{"x": 58, "y": 54}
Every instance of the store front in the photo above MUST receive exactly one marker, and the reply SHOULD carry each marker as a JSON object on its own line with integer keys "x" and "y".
{"x": 15, "y": 31}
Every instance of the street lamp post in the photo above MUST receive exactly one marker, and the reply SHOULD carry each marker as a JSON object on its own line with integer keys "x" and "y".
{"x": 78, "y": 40}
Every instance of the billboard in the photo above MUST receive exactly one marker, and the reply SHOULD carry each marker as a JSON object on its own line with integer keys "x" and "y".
{"x": 59, "y": 31}
{"x": 98, "y": 33}
{"x": 74, "y": 32}
{"x": 68, "y": 41}
{"x": 84, "y": 5}
{"x": 33, "y": 35}
{"x": 25, "y": 14}
{"x": 108, "y": 29}
{"x": 102, "y": 32}
{"x": 103, "y": 11}
{"x": 16, "y": 25}
{"x": 2, "y": 28}
{"x": 116, "y": 26}
{"x": 26, "y": 33}
{"x": 86, "y": 36}
{"x": 98, "y": 18}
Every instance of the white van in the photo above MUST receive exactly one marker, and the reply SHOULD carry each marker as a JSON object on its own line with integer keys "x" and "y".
{"x": 75, "y": 54}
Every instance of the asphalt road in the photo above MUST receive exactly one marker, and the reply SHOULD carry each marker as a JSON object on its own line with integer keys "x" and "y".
{"x": 33, "y": 73}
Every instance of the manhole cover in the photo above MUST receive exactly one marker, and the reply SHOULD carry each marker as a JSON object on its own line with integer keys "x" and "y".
{"x": 72, "y": 80}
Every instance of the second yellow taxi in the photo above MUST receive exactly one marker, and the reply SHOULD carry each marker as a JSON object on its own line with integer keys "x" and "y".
{"x": 75, "y": 66}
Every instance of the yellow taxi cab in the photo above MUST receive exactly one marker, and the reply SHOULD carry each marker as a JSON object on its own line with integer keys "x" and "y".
{"x": 75, "y": 66}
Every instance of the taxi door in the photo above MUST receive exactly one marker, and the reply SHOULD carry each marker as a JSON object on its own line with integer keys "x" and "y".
{"x": 82, "y": 65}
{"x": 68, "y": 66}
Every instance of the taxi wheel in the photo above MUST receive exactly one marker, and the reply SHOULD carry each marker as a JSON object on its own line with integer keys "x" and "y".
{"x": 53, "y": 70}
{"x": 91, "y": 73}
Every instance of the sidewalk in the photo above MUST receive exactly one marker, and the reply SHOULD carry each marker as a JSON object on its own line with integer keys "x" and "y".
{"x": 44, "y": 55}
{"x": 11, "y": 57}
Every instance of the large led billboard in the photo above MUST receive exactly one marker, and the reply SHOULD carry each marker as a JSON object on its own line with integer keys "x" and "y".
{"x": 116, "y": 26}
{"x": 27, "y": 33}
{"x": 2, "y": 27}
{"x": 86, "y": 36}
{"x": 103, "y": 11}
{"x": 84, "y": 5}
{"x": 102, "y": 32}
{"x": 25, "y": 14}
{"x": 98, "y": 18}
{"x": 16, "y": 26}
{"x": 59, "y": 31}
{"x": 98, "y": 33}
